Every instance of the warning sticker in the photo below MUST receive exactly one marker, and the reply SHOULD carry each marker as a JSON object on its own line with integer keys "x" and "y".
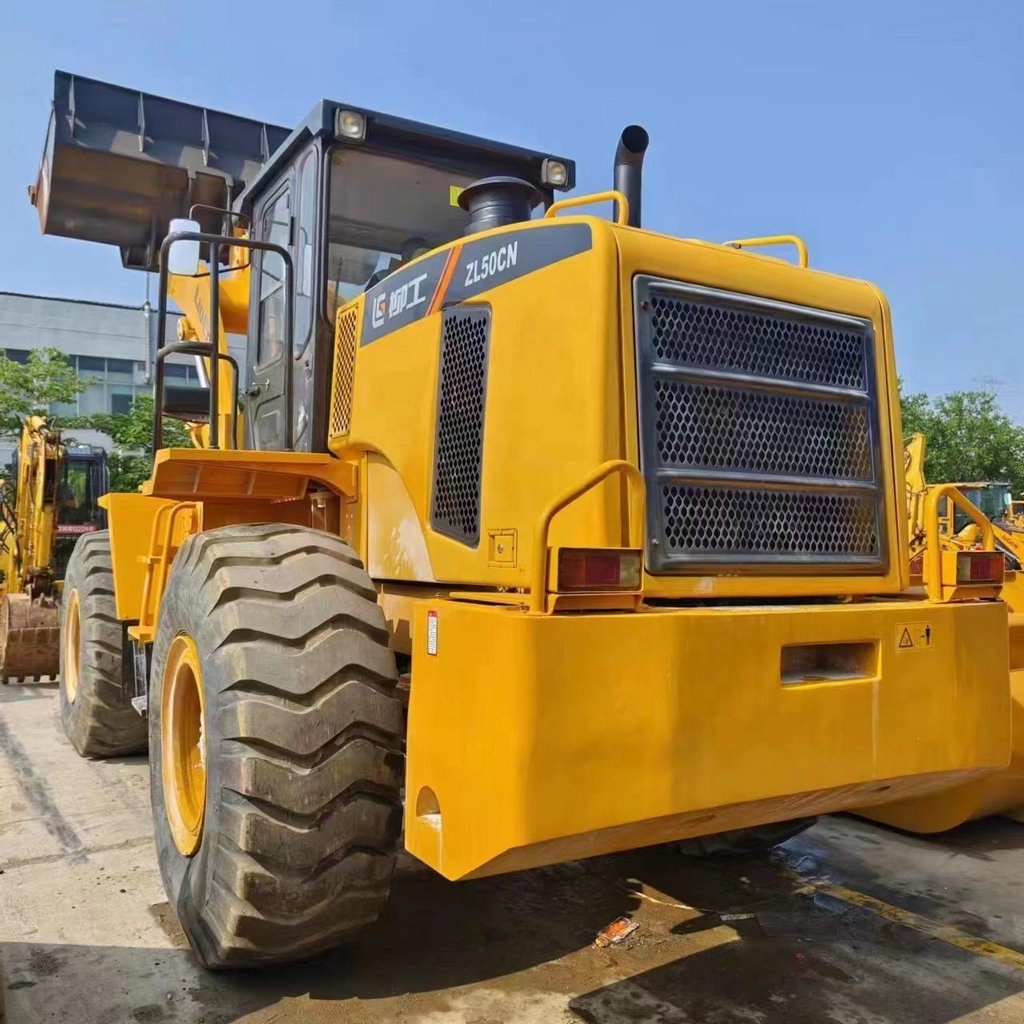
{"x": 913, "y": 636}
{"x": 431, "y": 632}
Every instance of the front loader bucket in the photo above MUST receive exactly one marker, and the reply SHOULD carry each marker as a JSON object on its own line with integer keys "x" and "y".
{"x": 119, "y": 164}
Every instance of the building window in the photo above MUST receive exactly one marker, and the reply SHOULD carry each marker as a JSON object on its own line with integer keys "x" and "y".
{"x": 121, "y": 403}
{"x": 17, "y": 355}
{"x": 123, "y": 366}
{"x": 90, "y": 364}
{"x": 92, "y": 400}
{"x": 179, "y": 370}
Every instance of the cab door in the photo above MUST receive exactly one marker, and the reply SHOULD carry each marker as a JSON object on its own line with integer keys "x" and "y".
{"x": 286, "y": 216}
{"x": 267, "y": 356}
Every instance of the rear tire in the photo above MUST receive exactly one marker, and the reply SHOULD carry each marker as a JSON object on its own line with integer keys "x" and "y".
{"x": 745, "y": 842}
{"x": 95, "y": 707}
{"x": 302, "y": 735}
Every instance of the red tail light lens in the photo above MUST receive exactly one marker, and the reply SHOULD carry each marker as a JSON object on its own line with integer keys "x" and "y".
{"x": 598, "y": 569}
{"x": 980, "y": 567}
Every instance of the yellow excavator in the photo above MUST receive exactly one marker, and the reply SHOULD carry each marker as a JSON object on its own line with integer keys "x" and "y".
{"x": 521, "y": 534}
{"x": 51, "y": 499}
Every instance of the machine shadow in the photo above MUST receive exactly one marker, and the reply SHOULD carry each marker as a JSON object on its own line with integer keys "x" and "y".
{"x": 446, "y": 934}
{"x": 804, "y": 964}
{"x": 794, "y": 955}
{"x": 775, "y": 951}
{"x": 978, "y": 839}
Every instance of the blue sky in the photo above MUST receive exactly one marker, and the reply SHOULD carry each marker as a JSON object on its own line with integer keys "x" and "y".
{"x": 888, "y": 135}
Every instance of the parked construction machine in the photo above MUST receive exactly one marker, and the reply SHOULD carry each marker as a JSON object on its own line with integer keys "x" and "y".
{"x": 561, "y": 535}
{"x": 50, "y": 500}
{"x": 944, "y": 520}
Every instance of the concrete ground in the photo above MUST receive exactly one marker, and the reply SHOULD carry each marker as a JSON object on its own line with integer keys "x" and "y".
{"x": 848, "y": 924}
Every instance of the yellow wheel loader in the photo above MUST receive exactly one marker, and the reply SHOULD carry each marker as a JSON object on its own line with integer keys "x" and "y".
{"x": 49, "y": 502}
{"x": 522, "y": 534}
{"x": 973, "y": 516}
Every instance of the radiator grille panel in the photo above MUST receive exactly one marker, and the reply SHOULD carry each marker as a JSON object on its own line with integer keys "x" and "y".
{"x": 462, "y": 387}
{"x": 711, "y": 335}
{"x": 708, "y": 427}
{"x": 798, "y": 524}
{"x": 344, "y": 373}
{"x": 759, "y": 433}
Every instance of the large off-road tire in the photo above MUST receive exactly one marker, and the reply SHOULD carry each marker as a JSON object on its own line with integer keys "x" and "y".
{"x": 745, "y": 842}
{"x": 276, "y": 744}
{"x": 95, "y": 705}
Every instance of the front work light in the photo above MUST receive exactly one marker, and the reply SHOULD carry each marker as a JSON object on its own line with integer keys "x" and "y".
{"x": 350, "y": 124}
{"x": 598, "y": 569}
{"x": 554, "y": 173}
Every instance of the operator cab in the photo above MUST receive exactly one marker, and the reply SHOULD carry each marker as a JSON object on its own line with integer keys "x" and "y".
{"x": 352, "y": 196}
{"x": 344, "y": 200}
{"x": 993, "y": 498}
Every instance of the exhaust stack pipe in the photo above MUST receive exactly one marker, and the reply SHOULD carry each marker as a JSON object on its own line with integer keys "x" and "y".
{"x": 629, "y": 160}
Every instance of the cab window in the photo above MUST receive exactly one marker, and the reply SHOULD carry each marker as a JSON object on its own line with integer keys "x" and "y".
{"x": 275, "y": 226}
{"x": 383, "y": 212}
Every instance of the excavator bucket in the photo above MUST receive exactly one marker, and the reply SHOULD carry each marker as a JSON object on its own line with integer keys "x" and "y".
{"x": 119, "y": 164}
{"x": 29, "y": 638}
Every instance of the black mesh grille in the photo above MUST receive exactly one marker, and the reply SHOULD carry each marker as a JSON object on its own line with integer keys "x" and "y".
{"x": 344, "y": 369}
{"x": 755, "y": 523}
{"x": 455, "y": 507}
{"x": 709, "y": 334}
{"x": 708, "y": 427}
{"x": 758, "y": 429}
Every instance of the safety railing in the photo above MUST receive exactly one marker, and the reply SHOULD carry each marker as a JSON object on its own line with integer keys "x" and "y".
{"x": 210, "y": 348}
{"x": 158, "y": 563}
{"x": 611, "y": 196}
{"x": 768, "y": 240}
{"x": 934, "y": 535}
{"x": 635, "y": 524}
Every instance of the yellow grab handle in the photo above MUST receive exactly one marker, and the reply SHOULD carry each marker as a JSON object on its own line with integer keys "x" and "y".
{"x": 621, "y": 204}
{"x": 798, "y": 243}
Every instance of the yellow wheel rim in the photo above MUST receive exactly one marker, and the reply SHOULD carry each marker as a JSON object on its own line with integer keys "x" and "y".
{"x": 183, "y": 744}
{"x": 72, "y": 646}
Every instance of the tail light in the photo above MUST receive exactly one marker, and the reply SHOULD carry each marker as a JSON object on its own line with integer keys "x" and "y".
{"x": 980, "y": 567}
{"x": 598, "y": 569}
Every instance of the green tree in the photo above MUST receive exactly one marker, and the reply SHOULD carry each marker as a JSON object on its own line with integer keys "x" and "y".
{"x": 131, "y": 458}
{"x": 969, "y": 437}
{"x": 30, "y": 388}
{"x": 916, "y": 409}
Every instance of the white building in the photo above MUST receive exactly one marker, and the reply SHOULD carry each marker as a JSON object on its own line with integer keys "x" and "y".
{"x": 103, "y": 341}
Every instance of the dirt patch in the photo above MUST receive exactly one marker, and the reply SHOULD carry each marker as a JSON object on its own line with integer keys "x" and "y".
{"x": 45, "y": 963}
{"x": 151, "y": 1013}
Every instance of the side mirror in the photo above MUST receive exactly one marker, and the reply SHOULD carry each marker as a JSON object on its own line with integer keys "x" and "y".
{"x": 183, "y": 256}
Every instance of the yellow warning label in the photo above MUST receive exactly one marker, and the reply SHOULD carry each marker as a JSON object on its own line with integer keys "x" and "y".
{"x": 453, "y": 195}
{"x": 913, "y": 636}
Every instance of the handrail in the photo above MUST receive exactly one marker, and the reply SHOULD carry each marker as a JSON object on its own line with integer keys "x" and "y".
{"x": 157, "y": 557}
{"x": 613, "y": 196}
{"x": 933, "y": 538}
{"x": 204, "y": 348}
{"x": 213, "y": 328}
{"x": 798, "y": 243}
{"x": 538, "y": 588}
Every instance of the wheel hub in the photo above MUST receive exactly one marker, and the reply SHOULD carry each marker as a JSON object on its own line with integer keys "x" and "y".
{"x": 182, "y": 744}
{"x": 72, "y": 646}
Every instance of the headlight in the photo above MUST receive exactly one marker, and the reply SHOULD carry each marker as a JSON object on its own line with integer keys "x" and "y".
{"x": 350, "y": 124}
{"x": 555, "y": 173}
